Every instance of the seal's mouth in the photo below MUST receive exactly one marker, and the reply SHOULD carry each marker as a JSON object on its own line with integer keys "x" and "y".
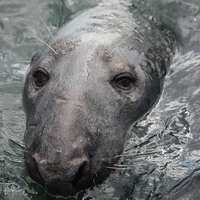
{"x": 66, "y": 181}
{"x": 55, "y": 184}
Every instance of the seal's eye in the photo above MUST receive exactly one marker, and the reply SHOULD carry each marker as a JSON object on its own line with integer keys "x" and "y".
{"x": 124, "y": 81}
{"x": 40, "y": 77}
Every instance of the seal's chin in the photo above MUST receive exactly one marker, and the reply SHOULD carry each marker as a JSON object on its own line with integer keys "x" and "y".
{"x": 60, "y": 190}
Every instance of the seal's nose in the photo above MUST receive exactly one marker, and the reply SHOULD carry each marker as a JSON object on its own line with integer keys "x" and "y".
{"x": 63, "y": 178}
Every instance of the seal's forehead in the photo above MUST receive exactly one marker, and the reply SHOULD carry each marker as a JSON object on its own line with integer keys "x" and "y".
{"x": 83, "y": 52}
{"x": 85, "y": 44}
{"x": 115, "y": 55}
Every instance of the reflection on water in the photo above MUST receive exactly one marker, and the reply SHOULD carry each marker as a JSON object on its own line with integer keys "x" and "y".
{"x": 163, "y": 152}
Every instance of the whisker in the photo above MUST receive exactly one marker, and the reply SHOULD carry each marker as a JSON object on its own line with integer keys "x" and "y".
{"x": 18, "y": 145}
{"x": 117, "y": 165}
{"x": 48, "y": 29}
{"x": 121, "y": 43}
{"x": 45, "y": 44}
{"x": 116, "y": 168}
{"x": 25, "y": 61}
{"x": 94, "y": 182}
{"x": 136, "y": 155}
{"x": 96, "y": 174}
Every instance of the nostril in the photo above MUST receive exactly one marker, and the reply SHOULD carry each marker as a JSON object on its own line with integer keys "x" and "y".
{"x": 82, "y": 174}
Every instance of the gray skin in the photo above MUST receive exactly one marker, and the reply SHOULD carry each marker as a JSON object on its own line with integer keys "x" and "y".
{"x": 81, "y": 100}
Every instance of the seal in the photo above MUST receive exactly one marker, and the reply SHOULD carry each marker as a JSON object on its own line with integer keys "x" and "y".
{"x": 81, "y": 96}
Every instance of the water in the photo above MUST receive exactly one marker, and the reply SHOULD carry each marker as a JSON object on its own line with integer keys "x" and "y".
{"x": 162, "y": 157}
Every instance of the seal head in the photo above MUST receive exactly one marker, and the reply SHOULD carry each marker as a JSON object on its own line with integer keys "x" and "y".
{"x": 82, "y": 98}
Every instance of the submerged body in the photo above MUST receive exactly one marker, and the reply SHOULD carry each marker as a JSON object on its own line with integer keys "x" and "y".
{"x": 104, "y": 72}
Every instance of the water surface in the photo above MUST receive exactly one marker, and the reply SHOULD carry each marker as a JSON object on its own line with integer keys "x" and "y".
{"x": 162, "y": 156}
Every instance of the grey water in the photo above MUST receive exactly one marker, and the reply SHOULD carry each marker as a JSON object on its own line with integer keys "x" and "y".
{"x": 162, "y": 158}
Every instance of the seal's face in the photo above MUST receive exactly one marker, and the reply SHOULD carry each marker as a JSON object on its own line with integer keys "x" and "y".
{"x": 81, "y": 99}
{"x": 79, "y": 110}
